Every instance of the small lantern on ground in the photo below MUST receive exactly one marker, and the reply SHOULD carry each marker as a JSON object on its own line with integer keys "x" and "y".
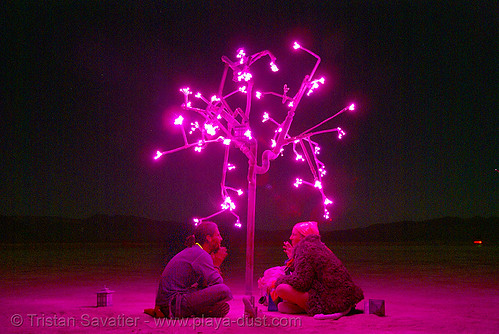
{"x": 105, "y": 297}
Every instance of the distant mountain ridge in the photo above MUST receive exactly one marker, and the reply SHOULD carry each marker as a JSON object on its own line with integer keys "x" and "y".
{"x": 130, "y": 229}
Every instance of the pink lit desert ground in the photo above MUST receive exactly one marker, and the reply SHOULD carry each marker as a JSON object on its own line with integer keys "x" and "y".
{"x": 427, "y": 288}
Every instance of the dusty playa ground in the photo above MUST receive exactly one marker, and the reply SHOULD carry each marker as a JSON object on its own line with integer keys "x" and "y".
{"x": 426, "y": 288}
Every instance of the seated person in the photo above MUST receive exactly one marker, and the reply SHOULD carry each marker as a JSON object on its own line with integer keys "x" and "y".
{"x": 191, "y": 284}
{"x": 318, "y": 282}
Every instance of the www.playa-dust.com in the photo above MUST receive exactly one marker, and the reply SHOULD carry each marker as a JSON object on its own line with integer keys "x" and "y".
{"x": 217, "y": 323}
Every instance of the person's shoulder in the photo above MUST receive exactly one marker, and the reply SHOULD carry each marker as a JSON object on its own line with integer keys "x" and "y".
{"x": 312, "y": 240}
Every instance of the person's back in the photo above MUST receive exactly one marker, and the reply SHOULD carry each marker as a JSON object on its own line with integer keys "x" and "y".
{"x": 191, "y": 284}
{"x": 191, "y": 269}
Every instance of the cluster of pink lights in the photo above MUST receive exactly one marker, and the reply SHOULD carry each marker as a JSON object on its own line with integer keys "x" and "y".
{"x": 230, "y": 126}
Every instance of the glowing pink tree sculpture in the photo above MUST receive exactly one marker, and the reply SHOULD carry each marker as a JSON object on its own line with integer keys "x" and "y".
{"x": 228, "y": 125}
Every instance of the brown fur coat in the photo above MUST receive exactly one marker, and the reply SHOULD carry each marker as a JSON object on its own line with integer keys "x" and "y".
{"x": 318, "y": 271}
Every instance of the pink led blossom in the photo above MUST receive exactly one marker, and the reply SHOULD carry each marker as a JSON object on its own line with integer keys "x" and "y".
{"x": 186, "y": 91}
{"x": 214, "y": 98}
{"x": 231, "y": 166}
{"x": 210, "y": 129}
{"x": 318, "y": 184}
{"x": 194, "y": 127}
{"x": 258, "y": 95}
{"x": 315, "y": 85}
{"x": 248, "y": 134}
{"x": 198, "y": 95}
{"x": 273, "y": 143}
{"x": 327, "y": 201}
{"x": 158, "y": 155}
{"x": 298, "y": 182}
{"x": 352, "y": 107}
{"x": 246, "y": 76}
{"x": 299, "y": 157}
{"x": 274, "y": 67}
{"x": 179, "y": 120}
{"x": 341, "y": 133}
{"x": 296, "y": 46}
{"x": 241, "y": 55}
{"x": 242, "y": 89}
{"x": 238, "y": 224}
{"x": 265, "y": 117}
{"x": 228, "y": 204}
{"x": 199, "y": 148}
{"x": 226, "y": 141}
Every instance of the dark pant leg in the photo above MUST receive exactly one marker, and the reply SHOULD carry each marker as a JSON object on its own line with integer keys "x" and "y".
{"x": 201, "y": 301}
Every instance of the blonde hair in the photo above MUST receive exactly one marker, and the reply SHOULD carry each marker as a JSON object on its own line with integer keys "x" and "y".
{"x": 307, "y": 228}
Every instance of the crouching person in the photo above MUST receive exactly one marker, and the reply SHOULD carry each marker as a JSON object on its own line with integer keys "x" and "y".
{"x": 191, "y": 284}
{"x": 319, "y": 284}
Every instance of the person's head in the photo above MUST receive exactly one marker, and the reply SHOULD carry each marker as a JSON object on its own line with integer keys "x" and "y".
{"x": 207, "y": 235}
{"x": 301, "y": 230}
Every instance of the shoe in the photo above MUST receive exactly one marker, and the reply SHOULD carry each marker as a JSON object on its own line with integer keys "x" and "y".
{"x": 249, "y": 310}
{"x": 154, "y": 312}
{"x": 219, "y": 310}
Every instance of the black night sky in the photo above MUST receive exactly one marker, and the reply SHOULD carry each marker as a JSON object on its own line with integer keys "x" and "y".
{"x": 88, "y": 88}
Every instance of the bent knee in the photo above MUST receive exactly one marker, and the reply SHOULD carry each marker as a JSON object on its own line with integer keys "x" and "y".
{"x": 283, "y": 289}
{"x": 225, "y": 292}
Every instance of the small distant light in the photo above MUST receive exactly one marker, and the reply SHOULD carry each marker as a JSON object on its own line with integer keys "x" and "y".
{"x": 478, "y": 242}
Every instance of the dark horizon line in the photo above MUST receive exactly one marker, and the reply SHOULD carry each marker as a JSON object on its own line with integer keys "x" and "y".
{"x": 261, "y": 229}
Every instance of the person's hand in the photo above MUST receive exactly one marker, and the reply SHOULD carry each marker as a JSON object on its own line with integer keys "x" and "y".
{"x": 288, "y": 249}
{"x": 219, "y": 256}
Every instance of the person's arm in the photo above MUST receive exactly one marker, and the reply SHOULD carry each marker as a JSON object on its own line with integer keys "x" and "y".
{"x": 302, "y": 277}
{"x": 204, "y": 266}
{"x": 218, "y": 257}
